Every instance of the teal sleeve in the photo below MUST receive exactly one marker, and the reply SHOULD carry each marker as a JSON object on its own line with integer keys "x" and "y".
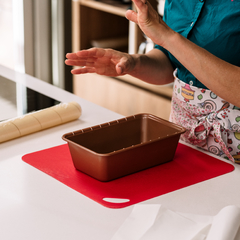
{"x": 166, "y": 53}
{"x": 162, "y": 49}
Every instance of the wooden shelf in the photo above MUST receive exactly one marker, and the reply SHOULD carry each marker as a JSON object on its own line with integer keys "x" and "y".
{"x": 161, "y": 90}
{"x": 120, "y": 96}
{"x": 103, "y": 20}
{"x": 109, "y": 6}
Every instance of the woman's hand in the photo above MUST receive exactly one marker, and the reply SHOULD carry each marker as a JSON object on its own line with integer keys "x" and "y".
{"x": 106, "y": 62}
{"x": 150, "y": 22}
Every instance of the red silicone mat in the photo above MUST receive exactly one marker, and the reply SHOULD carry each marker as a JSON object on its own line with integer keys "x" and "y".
{"x": 189, "y": 166}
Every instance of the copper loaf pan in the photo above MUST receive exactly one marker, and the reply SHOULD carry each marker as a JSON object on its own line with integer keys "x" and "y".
{"x": 118, "y": 148}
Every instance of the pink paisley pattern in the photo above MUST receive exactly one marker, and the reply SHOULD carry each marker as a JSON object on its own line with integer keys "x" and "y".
{"x": 211, "y": 122}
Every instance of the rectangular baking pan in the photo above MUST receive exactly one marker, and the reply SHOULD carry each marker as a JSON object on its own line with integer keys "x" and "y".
{"x": 125, "y": 146}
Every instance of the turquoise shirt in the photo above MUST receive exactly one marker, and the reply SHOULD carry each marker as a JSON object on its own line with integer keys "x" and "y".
{"x": 211, "y": 24}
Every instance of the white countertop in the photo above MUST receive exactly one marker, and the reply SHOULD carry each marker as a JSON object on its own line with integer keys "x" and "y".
{"x": 36, "y": 206}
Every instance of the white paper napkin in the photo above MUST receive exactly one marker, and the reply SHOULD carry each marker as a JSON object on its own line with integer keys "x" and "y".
{"x": 226, "y": 224}
{"x": 150, "y": 222}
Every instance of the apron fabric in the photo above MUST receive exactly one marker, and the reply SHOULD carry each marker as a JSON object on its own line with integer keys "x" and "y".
{"x": 211, "y": 123}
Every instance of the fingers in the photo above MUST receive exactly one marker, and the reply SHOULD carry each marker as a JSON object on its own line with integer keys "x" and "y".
{"x": 83, "y": 70}
{"x": 81, "y": 58}
{"x": 131, "y": 16}
{"x": 139, "y": 3}
{"x": 80, "y": 62}
{"x": 97, "y": 60}
{"x": 119, "y": 69}
{"x": 140, "y": 14}
{"x": 71, "y": 56}
{"x": 92, "y": 52}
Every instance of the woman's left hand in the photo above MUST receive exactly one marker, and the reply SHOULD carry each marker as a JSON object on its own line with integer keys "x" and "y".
{"x": 149, "y": 21}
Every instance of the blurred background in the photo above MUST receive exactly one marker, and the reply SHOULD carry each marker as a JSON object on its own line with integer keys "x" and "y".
{"x": 37, "y": 34}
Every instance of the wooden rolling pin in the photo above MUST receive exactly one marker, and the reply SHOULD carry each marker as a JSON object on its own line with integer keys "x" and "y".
{"x": 39, "y": 120}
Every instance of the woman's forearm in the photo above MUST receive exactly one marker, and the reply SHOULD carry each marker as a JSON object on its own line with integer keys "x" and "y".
{"x": 219, "y": 76}
{"x": 153, "y": 67}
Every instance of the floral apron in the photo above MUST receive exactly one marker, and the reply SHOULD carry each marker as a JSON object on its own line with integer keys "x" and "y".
{"x": 211, "y": 123}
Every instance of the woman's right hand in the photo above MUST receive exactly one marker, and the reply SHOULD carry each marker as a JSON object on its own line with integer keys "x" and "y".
{"x": 106, "y": 62}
